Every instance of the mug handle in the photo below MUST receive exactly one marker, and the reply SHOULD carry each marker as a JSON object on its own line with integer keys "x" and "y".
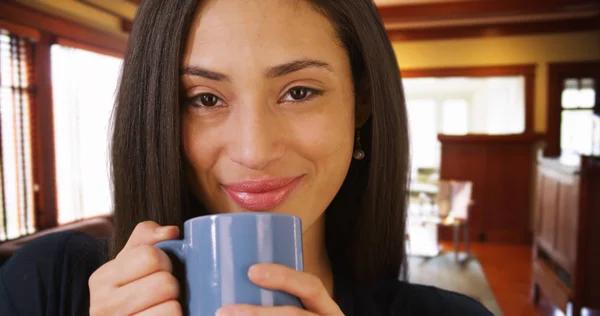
{"x": 176, "y": 247}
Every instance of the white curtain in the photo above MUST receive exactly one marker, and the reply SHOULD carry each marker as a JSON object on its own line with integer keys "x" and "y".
{"x": 84, "y": 85}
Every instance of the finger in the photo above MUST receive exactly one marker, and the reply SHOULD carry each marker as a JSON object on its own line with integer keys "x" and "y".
{"x": 133, "y": 265}
{"x": 307, "y": 287}
{"x": 152, "y": 290}
{"x": 171, "y": 308}
{"x": 149, "y": 233}
{"x": 241, "y": 309}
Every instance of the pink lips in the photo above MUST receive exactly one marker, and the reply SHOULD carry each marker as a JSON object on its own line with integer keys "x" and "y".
{"x": 262, "y": 194}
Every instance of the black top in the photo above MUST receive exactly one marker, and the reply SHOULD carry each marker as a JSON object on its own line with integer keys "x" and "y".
{"x": 49, "y": 276}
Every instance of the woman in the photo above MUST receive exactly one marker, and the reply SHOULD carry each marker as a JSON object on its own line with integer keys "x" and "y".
{"x": 258, "y": 105}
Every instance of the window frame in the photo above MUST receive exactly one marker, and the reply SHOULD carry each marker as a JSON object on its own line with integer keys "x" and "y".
{"x": 557, "y": 73}
{"x": 47, "y": 29}
{"x": 525, "y": 70}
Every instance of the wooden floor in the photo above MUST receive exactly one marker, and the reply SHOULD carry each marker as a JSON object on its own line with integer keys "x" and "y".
{"x": 508, "y": 271}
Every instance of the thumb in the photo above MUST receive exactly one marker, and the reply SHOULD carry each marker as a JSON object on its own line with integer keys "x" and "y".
{"x": 150, "y": 233}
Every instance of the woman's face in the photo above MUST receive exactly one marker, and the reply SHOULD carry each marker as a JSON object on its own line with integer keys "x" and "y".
{"x": 268, "y": 123}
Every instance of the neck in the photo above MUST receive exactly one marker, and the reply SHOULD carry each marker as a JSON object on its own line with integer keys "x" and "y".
{"x": 316, "y": 260}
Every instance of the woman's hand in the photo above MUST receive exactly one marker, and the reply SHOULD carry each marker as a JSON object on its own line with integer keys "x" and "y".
{"x": 308, "y": 288}
{"x": 139, "y": 280}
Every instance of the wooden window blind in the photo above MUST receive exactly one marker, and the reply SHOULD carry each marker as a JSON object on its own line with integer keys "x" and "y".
{"x": 17, "y": 94}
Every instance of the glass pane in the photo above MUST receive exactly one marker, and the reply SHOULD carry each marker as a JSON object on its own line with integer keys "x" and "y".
{"x": 596, "y": 135}
{"x": 455, "y": 117}
{"x": 576, "y": 132}
{"x": 494, "y": 105}
{"x": 587, "y": 93}
{"x": 84, "y": 86}
{"x": 570, "y": 93}
{"x": 578, "y": 93}
{"x": 423, "y": 133}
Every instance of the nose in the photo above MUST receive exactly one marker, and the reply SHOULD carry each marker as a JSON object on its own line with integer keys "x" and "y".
{"x": 257, "y": 137}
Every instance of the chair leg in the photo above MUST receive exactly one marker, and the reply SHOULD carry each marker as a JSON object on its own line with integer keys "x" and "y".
{"x": 456, "y": 235}
{"x": 535, "y": 294}
{"x": 575, "y": 309}
{"x": 467, "y": 239}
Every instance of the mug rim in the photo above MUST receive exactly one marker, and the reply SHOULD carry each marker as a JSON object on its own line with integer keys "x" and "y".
{"x": 240, "y": 214}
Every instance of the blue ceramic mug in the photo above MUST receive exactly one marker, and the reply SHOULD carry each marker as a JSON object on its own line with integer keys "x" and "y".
{"x": 218, "y": 250}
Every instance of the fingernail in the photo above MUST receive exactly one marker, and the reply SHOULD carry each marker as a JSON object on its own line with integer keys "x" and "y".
{"x": 225, "y": 311}
{"x": 258, "y": 272}
{"x": 162, "y": 230}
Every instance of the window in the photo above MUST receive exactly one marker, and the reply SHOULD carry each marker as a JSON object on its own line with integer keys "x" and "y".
{"x": 423, "y": 134}
{"x": 573, "y": 121}
{"x": 474, "y": 105}
{"x": 16, "y": 168}
{"x": 578, "y": 122}
{"x": 455, "y": 117}
{"x": 84, "y": 86}
{"x": 460, "y": 106}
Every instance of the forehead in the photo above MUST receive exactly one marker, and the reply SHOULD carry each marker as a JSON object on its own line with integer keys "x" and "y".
{"x": 260, "y": 30}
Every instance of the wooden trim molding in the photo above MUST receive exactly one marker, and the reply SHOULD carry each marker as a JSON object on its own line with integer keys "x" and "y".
{"x": 47, "y": 211}
{"x": 126, "y": 26}
{"x": 430, "y": 11}
{"x": 487, "y": 18}
{"x": 527, "y": 71}
{"x": 20, "y": 30}
{"x": 123, "y": 9}
{"x": 478, "y": 71}
{"x": 495, "y": 29}
{"x": 22, "y": 15}
{"x": 74, "y": 44}
{"x": 481, "y": 138}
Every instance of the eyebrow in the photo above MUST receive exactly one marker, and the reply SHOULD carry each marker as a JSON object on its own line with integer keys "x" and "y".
{"x": 282, "y": 70}
{"x": 274, "y": 72}
{"x": 201, "y": 72}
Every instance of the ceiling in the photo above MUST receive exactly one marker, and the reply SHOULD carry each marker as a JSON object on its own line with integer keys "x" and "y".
{"x": 419, "y": 19}
{"x": 409, "y": 2}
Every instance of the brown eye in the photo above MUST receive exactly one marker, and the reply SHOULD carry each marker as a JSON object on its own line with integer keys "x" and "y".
{"x": 299, "y": 93}
{"x": 207, "y": 99}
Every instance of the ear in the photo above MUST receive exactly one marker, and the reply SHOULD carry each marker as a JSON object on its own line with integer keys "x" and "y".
{"x": 362, "y": 104}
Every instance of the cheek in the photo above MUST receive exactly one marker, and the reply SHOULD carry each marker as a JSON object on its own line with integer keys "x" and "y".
{"x": 201, "y": 155}
{"x": 327, "y": 139}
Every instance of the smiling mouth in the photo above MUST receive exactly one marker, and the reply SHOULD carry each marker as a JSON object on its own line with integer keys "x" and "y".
{"x": 262, "y": 194}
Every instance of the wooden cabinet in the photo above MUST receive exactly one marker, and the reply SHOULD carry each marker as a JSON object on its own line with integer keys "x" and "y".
{"x": 567, "y": 233}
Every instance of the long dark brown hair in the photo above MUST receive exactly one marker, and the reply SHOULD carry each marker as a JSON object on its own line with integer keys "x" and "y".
{"x": 365, "y": 223}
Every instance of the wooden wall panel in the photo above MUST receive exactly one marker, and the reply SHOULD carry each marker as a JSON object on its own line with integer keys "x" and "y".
{"x": 453, "y": 161}
{"x": 501, "y": 169}
{"x": 508, "y": 191}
